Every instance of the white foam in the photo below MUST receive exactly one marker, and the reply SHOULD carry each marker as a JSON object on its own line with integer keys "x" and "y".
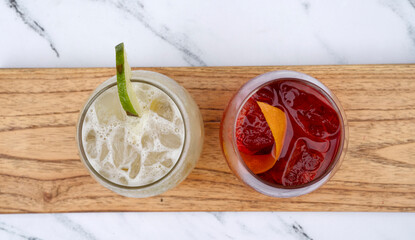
{"x": 132, "y": 130}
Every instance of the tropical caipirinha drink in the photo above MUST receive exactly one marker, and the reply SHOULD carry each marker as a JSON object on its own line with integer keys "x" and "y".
{"x": 140, "y": 133}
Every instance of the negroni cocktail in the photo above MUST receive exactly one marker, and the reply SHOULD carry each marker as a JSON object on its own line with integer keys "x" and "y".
{"x": 284, "y": 133}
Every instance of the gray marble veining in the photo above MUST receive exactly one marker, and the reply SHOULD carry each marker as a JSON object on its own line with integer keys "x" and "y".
{"x": 31, "y": 23}
{"x": 405, "y": 10}
{"x": 209, "y": 225}
{"x": 178, "y": 40}
{"x": 78, "y": 33}
{"x": 200, "y": 33}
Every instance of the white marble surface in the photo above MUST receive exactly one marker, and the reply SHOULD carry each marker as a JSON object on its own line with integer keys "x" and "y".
{"x": 226, "y": 225}
{"x": 83, "y": 33}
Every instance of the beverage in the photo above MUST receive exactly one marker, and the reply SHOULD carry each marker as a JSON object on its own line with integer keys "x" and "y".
{"x": 140, "y": 156}
{"x": 284, "y": 134}
{"x": 133, "y": 151}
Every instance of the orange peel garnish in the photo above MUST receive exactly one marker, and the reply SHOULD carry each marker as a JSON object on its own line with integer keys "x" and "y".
{"x": 259, "y": 163}
{"x": 277, "y": 122}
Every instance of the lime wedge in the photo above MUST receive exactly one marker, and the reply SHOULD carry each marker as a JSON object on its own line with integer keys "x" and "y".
{"x": 126, "y": 93}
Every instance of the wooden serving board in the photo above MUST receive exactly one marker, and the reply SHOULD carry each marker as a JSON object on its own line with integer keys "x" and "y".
{"x": 40, "y": 170}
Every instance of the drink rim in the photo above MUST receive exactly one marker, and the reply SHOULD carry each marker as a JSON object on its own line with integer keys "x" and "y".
{"x": 111, "y": 83}
{"x": 312, "y": 82}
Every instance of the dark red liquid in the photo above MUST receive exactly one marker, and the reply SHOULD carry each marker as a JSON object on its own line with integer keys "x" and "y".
{"x": 312, "y": 137}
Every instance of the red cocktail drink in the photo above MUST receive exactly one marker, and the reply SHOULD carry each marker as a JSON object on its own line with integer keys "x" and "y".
{"x": 284, "y": 133}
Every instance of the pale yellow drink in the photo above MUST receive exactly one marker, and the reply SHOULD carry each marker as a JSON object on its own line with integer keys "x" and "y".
{"x": 147, "y": 155}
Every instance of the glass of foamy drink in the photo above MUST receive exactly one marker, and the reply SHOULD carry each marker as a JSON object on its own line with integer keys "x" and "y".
{"x": 146, "y": 155}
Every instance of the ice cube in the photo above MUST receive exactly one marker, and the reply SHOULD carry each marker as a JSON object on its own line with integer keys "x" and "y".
{"x": 91, "y": 144}
{"x": 291, "y": 96}
{"x": 135, "y": 167}
{"x": 104, "y": 152}
{"x": 170, "y": 140}
{"x": 143, "y": 97}
{"x": 145, "y": 87}
{"x": 313, "y": 115}
{"x": 123, "y": 180}
{"x": 178, "y": 123}
{"x": 302, "y": 165}
{"x": 147, "y": 141}
{"x": 154, "y": 157}
{"x": 104, "y": 173}
{"x": 163, "y": 108}
{"x": 168, "y": 163}
{"x": 123, "y": 152}
{"x": 118, "y": 146}
{"x": 106, "y": 170}
{"x": 108, "y": 108}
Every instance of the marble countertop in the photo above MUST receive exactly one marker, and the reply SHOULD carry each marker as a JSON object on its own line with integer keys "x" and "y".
{"x": 206, "y": 33}
{"x": 77, "y": 33}
{"x": 213, "y": 225}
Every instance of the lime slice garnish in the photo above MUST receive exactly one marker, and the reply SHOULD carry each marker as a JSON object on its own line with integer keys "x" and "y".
{"x": 126, "y": 93}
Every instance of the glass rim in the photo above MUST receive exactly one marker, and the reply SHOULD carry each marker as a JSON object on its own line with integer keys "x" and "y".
{"x": 94, "y": 95}
{"x": 310, "y": 81}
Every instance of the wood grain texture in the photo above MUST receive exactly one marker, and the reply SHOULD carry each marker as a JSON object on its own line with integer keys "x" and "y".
{"x": 40, "y": 170}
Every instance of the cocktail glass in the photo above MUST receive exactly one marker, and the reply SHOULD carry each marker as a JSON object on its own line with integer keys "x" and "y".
{"x": 232, "y": 154}
{"x": 174, "y": 171}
